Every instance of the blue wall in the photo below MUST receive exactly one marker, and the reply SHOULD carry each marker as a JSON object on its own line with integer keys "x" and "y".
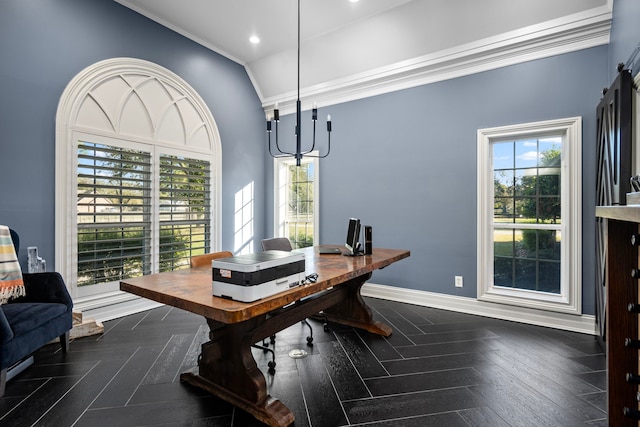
{"x": 405, "y": 163}
{"x": 44, "y": 44}
{"x": 625, "y": 34}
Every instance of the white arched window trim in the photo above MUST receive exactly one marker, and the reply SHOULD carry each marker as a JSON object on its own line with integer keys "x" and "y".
{"x": 139, "y": 102}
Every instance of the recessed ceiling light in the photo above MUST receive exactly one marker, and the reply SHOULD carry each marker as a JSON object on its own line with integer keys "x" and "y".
{"x": 353, "y": 1}
{"x": 254, "y": 39}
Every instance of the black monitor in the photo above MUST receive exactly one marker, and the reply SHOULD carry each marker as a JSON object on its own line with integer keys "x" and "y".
{"x": 353, "y": 236}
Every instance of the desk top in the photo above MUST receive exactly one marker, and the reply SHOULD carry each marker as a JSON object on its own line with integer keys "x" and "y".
{"x": 191, "y": 289}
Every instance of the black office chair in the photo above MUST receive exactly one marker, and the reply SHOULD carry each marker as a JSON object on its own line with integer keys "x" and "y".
{"x": 284, "y": 244}
{"x": 277, "y": 244}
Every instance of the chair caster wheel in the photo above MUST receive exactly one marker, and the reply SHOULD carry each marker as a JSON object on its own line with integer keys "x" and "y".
{"x": 326, "y": 328}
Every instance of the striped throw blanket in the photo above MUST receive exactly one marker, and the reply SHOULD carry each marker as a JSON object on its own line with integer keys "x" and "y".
{"x": 11, "y": 285}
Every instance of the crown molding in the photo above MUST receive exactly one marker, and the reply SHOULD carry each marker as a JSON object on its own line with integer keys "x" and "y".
{"x": 559, "y": 36}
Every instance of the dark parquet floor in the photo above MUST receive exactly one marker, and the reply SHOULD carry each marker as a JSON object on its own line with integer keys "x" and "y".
{"x": 439, "y": 368}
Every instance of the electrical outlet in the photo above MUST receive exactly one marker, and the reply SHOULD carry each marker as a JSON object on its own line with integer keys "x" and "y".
{"x": 458, "y": 281}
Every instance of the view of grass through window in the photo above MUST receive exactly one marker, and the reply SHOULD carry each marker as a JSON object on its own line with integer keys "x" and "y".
{"x": 300, "y": 206}
{"x": 527, "y": 213}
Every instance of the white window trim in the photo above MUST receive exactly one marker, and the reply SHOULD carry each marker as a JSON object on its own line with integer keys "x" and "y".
{"x": 69, "y": 127}
{"x": 570, "y": 298}
{"x": 278, "y": 197}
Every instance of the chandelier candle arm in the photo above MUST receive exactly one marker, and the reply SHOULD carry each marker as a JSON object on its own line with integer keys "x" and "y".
{"x": 328, "y": 136}
{"x": 280, "y": 153}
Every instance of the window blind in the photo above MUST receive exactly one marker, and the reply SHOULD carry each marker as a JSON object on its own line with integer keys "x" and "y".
{"x": 113, "y": 213}
{"x": 184, "y": 210}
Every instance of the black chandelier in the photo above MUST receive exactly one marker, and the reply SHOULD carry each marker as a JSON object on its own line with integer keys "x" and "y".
{"x": 298, "y": 129}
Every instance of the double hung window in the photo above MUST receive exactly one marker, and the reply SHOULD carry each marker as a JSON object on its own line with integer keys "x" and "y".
{"x": 296, "y": 200}
{"x": 529, "y": 215}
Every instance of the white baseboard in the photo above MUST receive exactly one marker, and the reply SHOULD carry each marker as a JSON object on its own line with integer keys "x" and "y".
{"x": 584, "y": 323}
{"x": 112, "y": 305}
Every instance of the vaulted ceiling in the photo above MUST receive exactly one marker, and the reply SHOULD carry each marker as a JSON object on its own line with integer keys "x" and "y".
{"x": 351, "y": 50}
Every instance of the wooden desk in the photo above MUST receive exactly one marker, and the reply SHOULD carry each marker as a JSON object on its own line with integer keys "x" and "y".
{"x": 226, "y": 367}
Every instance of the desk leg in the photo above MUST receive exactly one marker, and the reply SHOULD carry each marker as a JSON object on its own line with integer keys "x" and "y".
{"x": 353, "y": 311}
{"x": 228, "y": 370}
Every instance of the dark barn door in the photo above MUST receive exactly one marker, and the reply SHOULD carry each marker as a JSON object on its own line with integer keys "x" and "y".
{"x": 614, "y": 114}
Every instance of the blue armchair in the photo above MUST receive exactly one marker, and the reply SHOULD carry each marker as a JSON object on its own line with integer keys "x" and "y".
{"x": 31, "y": 321}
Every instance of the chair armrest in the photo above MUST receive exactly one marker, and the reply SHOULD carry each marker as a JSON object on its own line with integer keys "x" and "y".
{"x": 45, "y": 287}
{"x": 6, "y": 333}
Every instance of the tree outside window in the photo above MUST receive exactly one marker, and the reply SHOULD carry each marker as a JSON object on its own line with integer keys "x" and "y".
{"x": 527, "y": 214}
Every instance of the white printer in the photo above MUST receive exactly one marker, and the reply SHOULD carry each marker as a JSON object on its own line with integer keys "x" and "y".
{"x": 251, "y": 277}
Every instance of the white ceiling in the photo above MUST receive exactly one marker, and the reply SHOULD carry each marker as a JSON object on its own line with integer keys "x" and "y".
{"x": 355, "y": 49}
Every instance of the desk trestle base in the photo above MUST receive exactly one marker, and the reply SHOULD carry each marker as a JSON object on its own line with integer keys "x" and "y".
{"x": 270, "y": 411}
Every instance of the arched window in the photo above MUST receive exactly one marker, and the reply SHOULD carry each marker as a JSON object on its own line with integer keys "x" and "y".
{"x": 137, "y": 176}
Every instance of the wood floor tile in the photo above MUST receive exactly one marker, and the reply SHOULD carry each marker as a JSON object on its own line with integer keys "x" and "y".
{"x": 521, "y": 405}
{"x": 323, "y": 404}
{"x": 361, "y": 356}
{"x": 347, "y": 382}
{"x": 599, "y": 400}
{"x": 40, "y": 403}
{"x": 452, "y": 336}
{"x": 401, "y": 406}
{"x": 126, "y": 381}
{"x": 409, "y": 383}
{"x": 479, "y": 346}
{"x": 163, "y": 413}
{"x": 595, "y": 362}
{"x": 598, "y": 379}
{"x": 78, "y": 398}
{"x": 397, "y": 320}
{"x": 449, "y": 419}
{"x": 47, "y": 370}
{"x": 166, "y": 368}
{"x": 434, "y": 363}
{"x": 539, "y": 375}
{"x": 482, "y": 417}
{"x": 379, "y": 346}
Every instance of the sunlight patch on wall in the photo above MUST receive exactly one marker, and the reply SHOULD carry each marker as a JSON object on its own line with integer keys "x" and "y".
{"x": 243, "y": 221}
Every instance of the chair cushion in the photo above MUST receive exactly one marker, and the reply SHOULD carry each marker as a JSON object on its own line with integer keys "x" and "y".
{"x": 24, "y": 317}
